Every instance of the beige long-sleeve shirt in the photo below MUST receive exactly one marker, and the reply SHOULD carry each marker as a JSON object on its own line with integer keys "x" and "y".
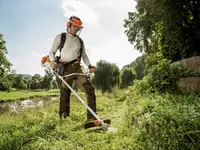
{"x": 70, "y": 50}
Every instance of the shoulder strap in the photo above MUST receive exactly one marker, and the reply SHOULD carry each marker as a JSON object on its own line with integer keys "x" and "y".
{"x": 62, "y": 41}
{"x": 81, "y": 49}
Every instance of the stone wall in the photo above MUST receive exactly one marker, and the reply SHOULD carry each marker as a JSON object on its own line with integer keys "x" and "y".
{"x": 192, "y": 63}
{"x": 190, "y": 84}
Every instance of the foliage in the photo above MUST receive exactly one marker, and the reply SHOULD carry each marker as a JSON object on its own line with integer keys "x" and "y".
{"x": 169, "y": 27}
{"x": 139, "y": 66}
{"x": 5, "y": 65}
{"x": 191, "y": 73}
{"x": 163, "y": 121}
{"x": 36, "y": 82}
{"x": 19, "y": 82}
{"x": 47, "y": 81}
{"x": 106, "y": 76}
{"x": 127, "y": 76}
{"x": 161, "y": 75}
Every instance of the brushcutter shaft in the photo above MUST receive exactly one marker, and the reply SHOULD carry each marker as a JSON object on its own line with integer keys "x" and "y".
{"x": 94, "y": 114}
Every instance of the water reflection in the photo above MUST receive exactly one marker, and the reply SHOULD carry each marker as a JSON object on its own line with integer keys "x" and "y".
{"x": 24, "y": 104}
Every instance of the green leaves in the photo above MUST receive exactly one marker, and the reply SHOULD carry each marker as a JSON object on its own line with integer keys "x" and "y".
{"x": 106, "y": 76}
{"x": 5, "y": 65}
{"x": 164, "y": 121}
{"x": 171, "y": 27}
{"x": 127, "y": 75}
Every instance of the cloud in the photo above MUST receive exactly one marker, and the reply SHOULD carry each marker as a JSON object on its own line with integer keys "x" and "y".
{"x": 106, "y": 39}
{"x": 103, "y": 35}
{"x": 117, "y": 50}
{"x": 80, "y": 9}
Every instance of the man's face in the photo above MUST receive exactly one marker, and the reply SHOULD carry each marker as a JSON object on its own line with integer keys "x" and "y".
{"x": 73, "y": 29}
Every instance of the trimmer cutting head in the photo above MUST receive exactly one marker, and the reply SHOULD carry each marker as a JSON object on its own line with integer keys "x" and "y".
{"x": 96, "y": 123}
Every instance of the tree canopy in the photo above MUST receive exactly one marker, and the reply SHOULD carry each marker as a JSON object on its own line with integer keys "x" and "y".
{"x": 106, "y": 76}
{"x": 5, "y": 65}
{"x": 170, "y": 27}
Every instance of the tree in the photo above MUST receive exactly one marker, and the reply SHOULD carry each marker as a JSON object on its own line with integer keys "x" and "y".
{"x": 47, "y": 80}
{"x": 170, "y": 27}
{"x": 106, "y": 76}
{"x": 5, "y": 65}
{"x": 19, "y": 82}
{"x": 36, "y": 82}
{"x": 139, "y": 66}
{"x": 11, "y": 77}
{"x": 127, "y": 76}
{"x": 115, "y": 75}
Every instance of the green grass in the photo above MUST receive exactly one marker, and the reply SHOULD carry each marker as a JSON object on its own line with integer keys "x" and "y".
{"x": 143, "y": 121}
{"x": 24, "y": 94}
{"x": 41, "y": 129}
{"x": 164, "y": 121}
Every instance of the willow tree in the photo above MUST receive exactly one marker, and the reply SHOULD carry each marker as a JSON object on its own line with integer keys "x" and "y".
{"x": 106, "y": 76}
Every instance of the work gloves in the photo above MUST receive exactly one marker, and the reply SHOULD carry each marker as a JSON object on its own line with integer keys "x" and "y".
{"x": 91, "y": 68}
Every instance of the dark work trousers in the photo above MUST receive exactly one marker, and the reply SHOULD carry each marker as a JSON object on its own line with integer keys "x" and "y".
{"x": 65, "y": 91}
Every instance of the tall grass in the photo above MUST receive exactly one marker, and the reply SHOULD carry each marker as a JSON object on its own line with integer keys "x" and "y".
{"x": 41, "y": 129}
{"x": 144, "y": 121}
{"x": 164, "y": 121}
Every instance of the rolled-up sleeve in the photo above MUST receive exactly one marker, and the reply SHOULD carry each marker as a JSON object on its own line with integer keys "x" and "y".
{"x": 54, "y": 48}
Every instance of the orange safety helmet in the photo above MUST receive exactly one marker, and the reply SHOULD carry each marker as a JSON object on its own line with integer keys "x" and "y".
{"x": 75, "y": 21}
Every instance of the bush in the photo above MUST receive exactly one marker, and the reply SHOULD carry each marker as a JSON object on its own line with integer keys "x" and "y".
{"x": 160, "y": 75}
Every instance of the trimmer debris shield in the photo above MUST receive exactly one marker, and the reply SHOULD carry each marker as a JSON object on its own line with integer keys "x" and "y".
{"x": 96, "y": 123}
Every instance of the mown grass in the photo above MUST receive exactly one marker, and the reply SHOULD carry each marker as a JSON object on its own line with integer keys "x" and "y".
{"x": 25, "y": 94}
{"x": 41, "y": 129}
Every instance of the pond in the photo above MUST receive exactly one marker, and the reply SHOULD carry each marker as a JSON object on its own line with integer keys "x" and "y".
{"x": 24, "y": 104}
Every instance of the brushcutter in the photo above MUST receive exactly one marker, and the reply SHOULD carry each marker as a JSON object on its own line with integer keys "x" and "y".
{"x": 93, "y": 123}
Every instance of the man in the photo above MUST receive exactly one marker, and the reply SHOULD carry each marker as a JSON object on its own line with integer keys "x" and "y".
{"x": 70, "y": 54}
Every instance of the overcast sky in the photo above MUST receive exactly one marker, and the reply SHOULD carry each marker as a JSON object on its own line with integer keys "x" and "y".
{"x": 29, "y": 28}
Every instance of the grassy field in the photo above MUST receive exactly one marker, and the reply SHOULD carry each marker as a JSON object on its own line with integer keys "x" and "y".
{"x": 41, "y": 129}
{"x": 143, "y": 121}
{"x": 24, "y": 94}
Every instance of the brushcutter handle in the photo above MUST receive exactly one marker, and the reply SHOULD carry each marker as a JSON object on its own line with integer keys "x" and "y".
{"x": 45, "y": 62}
